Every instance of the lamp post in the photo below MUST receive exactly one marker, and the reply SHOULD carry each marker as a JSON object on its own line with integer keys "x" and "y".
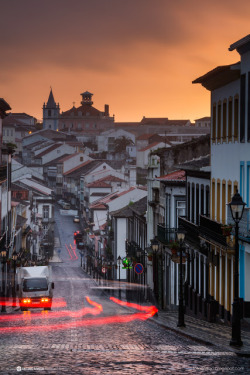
{"x": 14, "y": 258}
{"x": 181, "y": 236}
{"x": 155, "y": 248}
{"x": 3, "y": 258}
{"x": 119, "y": 261}
{"x": 237, "y": 208}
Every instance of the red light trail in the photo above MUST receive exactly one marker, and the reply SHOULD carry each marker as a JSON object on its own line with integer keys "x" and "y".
{"x": 146, "y": 313}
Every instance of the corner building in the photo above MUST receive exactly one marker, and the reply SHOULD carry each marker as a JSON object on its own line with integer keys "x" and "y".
{"x": 230, "y": 170}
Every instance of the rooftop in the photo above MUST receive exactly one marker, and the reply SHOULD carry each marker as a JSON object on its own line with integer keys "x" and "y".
{"x": 174, "y": 176}
{"x": 219, "y": 76}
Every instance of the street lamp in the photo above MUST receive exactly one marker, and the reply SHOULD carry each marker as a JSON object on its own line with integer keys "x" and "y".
{"x": 14, "y": 258}
{"x": 181, "y": 237}
{"x": 155, "y": 248}
{"x": 3, "y": 258}
{"x": 237, "y": 208}
{"x": 119, "y": 261}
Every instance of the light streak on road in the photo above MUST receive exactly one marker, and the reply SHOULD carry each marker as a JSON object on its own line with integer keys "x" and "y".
{"x": 146, "y": 313}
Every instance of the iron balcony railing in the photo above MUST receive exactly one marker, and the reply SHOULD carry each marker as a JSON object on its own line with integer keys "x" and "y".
{"x": 165, "y": 235}
{"x": 191, "y": 229}
{"x": 212, "y": 231}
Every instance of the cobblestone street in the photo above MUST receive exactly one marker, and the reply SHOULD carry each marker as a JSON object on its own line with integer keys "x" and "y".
{"x": 80, "y": 339}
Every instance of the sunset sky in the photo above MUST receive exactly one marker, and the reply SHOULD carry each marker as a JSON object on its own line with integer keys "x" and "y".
{"x": 138, "y": 56}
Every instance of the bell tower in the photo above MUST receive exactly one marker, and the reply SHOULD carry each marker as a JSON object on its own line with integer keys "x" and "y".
{"x": 87, "y": 98}
{"x": 51, "y": 113}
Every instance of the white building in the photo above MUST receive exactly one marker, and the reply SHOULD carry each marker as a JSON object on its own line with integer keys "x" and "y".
{"x": 230, "y": 170}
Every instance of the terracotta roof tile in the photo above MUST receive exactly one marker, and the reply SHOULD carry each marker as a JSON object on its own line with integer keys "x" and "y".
{"x": 112, "y": 178}
{"x": 78, "y": 166}
{"x": 174, "y": 176}
{"x": 49, "y": 149}
{"x": 144, "y": 136}
{"x": 99, "y": 184}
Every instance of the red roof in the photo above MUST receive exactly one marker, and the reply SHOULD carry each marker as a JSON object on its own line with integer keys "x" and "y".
{"x": 67, "y": 157}
{"x": 49, "y": 149}
{"x": 174, "y": 176}
{"x": 162, "y": 121}
{"x": 100, "y": 203}
{"x": 85, "y": 108}
{"x": 143, "y": 137}
{"x": 111, "y": 178}
{"x": 99, "y": 184}
{"x": 78, "y": 166}
{"x": 150, "y": 146}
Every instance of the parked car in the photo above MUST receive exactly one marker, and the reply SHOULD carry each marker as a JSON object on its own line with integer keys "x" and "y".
{"x": 66, "y": 206}
{"x": 61, "y": 202}
{"x": 76, "y": 219}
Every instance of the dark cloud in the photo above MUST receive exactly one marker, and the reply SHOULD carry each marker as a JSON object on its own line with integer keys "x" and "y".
{"x": 84, "y": 33}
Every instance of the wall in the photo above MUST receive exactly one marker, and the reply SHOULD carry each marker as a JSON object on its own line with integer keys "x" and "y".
{"x": 172, "y": 156}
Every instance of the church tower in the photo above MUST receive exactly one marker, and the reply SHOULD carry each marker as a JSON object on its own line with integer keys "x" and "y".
{"x": 51, "y": 112}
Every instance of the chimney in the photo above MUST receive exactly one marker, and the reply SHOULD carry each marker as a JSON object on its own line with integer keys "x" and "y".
{"x": 106, "y": 110}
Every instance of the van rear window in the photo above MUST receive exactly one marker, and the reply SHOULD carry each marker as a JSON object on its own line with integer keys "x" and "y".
{"x": 34, "y": 284}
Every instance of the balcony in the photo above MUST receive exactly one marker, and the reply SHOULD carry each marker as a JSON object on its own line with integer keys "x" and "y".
{"x": 213, "y": 231}
{"x": 192, "y": 231}
{"x": 165, "y": 235}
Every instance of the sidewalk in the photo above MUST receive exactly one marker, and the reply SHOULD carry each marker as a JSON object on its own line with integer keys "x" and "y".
{"x": 204, "y": 332}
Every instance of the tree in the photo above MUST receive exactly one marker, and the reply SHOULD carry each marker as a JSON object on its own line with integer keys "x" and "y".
{"x": 121, "y": 143}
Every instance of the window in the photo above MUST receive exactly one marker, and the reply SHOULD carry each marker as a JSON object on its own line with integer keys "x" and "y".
{"x": 242, "y": 179}
{"x": 230, "y": 119}
{"x": 49, "y": 113}
{"x": 213, "y": 199}
{"x": 180, "y": 210}
{"x": 236, "y": 118}
{"x": 223, "y": 214}
{"x": 46, "y": 212}
{"x": 7, "y": 132}
{"x": 219, "y": 124}
{"x": 218, "y": 201}
{"x": 248, "y": 183}
{"x": 81, "y": 158}
{"x": 242, "y": 106}
{"x": 224, "y": 125}
{"x": 79, "y": 126}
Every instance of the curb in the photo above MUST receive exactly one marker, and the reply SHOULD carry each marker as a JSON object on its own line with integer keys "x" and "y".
{"x": 198, "y": 339}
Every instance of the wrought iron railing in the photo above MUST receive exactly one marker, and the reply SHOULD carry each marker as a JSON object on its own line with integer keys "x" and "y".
{"x": 212, "y": 230}
{"x": 165, "y": 235}
{"x": 192, "y": 230}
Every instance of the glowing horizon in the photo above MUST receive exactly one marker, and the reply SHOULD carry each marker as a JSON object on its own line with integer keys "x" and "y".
{"x": 138, "y": 57}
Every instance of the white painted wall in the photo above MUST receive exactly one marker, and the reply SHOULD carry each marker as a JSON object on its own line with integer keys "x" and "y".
{"x": 54, "y": 154}
{"x": 75, "y": 160}
{"x": 143, "y": 156}
{"x": 102, "y": 140}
